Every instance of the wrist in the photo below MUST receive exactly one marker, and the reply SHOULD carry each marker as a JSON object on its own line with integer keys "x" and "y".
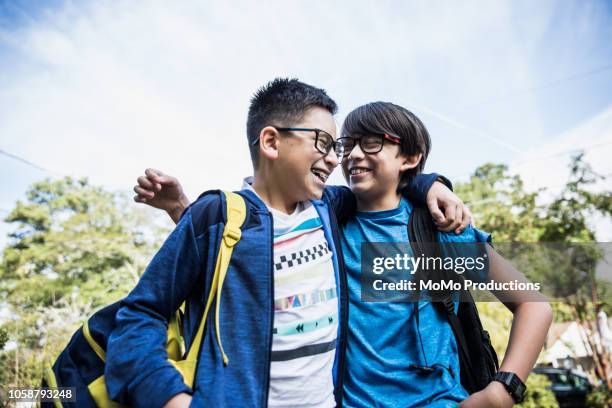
{"x": 512, "y": 383}
{"x": 176, "y": 211}
{"x": 181, "y": 400}
{"x": 500, "y": 394}
{"x": 446, "y": 182}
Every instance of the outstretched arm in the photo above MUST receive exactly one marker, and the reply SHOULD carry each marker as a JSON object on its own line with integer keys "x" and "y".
{"x": 162, "y": 191}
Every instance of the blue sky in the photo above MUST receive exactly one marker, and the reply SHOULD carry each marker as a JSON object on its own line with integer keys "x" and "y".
{"x": 104, "y": 89}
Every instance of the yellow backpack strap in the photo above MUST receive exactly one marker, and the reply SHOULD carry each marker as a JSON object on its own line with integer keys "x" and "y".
{"x": 92, "y": 343}
{"x": 236, "y": 214}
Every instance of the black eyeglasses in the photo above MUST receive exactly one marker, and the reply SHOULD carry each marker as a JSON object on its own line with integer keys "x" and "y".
{"x": 324, "y": 142}
{"x": 370, "y": 143}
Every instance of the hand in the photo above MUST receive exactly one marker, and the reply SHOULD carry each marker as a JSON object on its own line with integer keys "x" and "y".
{"x": 494, "y": 395}
{"x": 161, "y": 191}
{"x": 456, "y": 216}
{"x": 181, "y": 400}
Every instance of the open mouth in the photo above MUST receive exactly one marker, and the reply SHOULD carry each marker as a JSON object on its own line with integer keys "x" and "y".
{"x": 320, "y": 174}
{"x": 353, "y": 171}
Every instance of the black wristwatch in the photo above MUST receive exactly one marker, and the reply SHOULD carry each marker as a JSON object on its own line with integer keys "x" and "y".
{"x": 513, "y": 384}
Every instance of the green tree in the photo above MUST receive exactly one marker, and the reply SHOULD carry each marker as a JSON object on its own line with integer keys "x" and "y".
{"x": 75, "y": 247}
{"x": 502, "y": 206}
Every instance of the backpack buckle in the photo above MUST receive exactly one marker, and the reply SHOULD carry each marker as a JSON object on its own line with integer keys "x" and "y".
{"x": 231, "y": 235}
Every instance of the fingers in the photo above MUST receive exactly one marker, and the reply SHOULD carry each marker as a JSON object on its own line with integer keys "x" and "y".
{"x": 143, "y": 193}
{"x": 450, "y": 219}
{"x": 155, "y": 176}
{"x": 140, "y": 199}
{"x": 467, "y": 219}
{"x": 436, "y": 214}
{"x": 147, "y": 184}
{"x": 458, "y": 217}
{"x": 159, "y": 177}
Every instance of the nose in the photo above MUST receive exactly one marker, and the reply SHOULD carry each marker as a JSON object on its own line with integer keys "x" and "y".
{"x": 331, "y": 158}
{"x": 356, "y": 153}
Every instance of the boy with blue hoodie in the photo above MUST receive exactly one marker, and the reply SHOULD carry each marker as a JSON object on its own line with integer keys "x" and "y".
{"x": 283, "y": 313}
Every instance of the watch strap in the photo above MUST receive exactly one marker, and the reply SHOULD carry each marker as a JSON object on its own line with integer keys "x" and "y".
{"x": 513, "y": 384}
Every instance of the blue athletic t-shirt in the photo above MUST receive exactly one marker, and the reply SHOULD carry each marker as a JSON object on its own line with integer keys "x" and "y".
{"x": 383, "y": 341}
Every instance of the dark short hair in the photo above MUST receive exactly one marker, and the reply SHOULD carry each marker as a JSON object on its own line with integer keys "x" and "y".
{"x": 282, "y": 102}
{"x": 386, "y": 117}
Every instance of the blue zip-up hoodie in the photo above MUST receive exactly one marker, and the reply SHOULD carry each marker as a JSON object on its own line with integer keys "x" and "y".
{"x": 137, "y": 370}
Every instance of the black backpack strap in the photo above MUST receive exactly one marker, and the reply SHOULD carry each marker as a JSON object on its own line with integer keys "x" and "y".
{"x": 449, "y": 307}
{"x": 422, "y": 234}
{"x": 419, "y": 232}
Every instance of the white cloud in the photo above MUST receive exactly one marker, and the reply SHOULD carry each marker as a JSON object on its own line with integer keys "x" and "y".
{"x": 105, "y": 89}
{"x": 110, "y": 88}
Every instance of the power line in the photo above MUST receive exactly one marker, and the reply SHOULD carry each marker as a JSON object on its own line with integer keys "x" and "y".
{"x": 29, "y": 163}
{"x": 564, "y": 152}
{"x": 499, "y": 141}
{"x": 574, "y": 150}
{"x": 541, "y": 86}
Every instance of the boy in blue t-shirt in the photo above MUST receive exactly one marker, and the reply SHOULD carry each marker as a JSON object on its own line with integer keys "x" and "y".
{"x": 384, "y": 146}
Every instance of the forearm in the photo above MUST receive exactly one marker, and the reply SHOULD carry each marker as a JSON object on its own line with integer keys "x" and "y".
{"x": 137, "y": 370}
{"x": 141, "y": 376}
{"x": 527, "y": 335}
{"x": 182, "y": 400}
{"x": 529, "y": 328}
{"x": 417, "y": 188}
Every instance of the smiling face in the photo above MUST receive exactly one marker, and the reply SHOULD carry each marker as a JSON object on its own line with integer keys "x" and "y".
{"x": 377, "y": 177}
{"x": 301, "y": 169}
{"x": 372, "y": 176}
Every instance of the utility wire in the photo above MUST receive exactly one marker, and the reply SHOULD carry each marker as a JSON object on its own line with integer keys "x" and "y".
{"x": 483, "y": 135}
{"x": 574, "y": 150}
{"x": 564, "y": 152}
{"x": 498, "y": 140}
{"x": 29, "y": 163}
{"x": 541, "y": 86}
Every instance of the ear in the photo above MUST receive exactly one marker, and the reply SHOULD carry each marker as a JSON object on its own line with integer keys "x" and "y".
{"x": 410, "y": 162}
{"x": 268, "y": 143}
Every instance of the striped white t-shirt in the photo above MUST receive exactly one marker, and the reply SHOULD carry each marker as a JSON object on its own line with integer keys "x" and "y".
{"x": 305, "y": 311}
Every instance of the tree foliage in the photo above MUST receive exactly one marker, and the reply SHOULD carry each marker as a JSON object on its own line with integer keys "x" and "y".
{"x": 502, "y": 206}
{"x": 538, "y": 393}
{"x": 75, "y": 247}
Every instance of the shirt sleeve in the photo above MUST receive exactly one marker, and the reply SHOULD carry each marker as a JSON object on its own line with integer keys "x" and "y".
{"x": 468, "y": 252}
{"x": 419, "y": 185}
{"x": 137, "y": 369}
